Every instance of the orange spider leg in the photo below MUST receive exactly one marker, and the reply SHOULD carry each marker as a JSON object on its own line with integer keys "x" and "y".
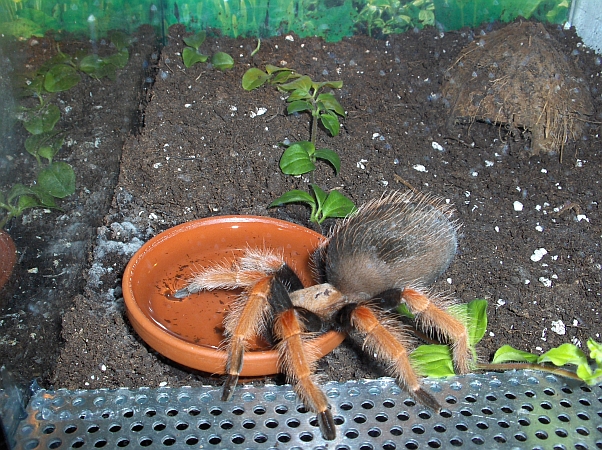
{"x": 246, "y": 320}
{"x": 434, "y": 317}
{"x": 298, "y": 362}
{"x": 384, "y": 339}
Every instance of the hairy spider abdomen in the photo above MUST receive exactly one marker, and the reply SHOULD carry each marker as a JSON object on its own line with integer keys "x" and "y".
{"x": 399, "y": 240}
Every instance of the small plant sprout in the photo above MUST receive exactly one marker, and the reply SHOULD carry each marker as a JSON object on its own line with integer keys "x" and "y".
{"x": 191, "y": 53}
{"x": 299, "y": 158}
{"x": 435, "y": 360}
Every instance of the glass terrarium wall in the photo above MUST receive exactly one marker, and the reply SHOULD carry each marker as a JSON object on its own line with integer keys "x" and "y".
{"x": 331, "y": 19}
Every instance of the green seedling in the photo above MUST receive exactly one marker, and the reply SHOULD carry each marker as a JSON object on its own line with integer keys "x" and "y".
{"x": 222, "y": 61}
{"x": 586, "y": 369}
{"x": 323, "y": 205}
{"x": 299, "y": 158}
{"x": 191, "y": 53}
{"x": 435, "y": 360}
{"x": 57, "y": 180}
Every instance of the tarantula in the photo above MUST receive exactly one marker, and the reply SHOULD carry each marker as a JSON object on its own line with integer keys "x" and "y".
{"x": 387, "y": 253}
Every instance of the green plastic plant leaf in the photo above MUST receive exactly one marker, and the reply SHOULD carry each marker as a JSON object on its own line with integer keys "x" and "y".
{"x": 297, "y": 158}
{"x": 44, "y": 121}
{"x": 298, "y": 106}
{"x": 330, "y": 103}
{"x": 253, "y": 78}
{"x": 222, "y": 61}
{"x": 507, "y": 353}
{"x": 433, "y": 361}
{"x": 294, "y": 196}
{"x": 196, "y": 40}
{"x": 564, "y": 354}
{"x": 191, "y": 56}
{"x": 331, "y": 123}
{"x": 58, "y": 179}
{"x": 336, "y": 205}
{"x": 330, "y": 156}
{"x": 61, "y": 77}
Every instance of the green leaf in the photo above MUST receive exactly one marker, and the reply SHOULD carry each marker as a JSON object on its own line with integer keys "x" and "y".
{"x": 222, "y": 61}
{"x": 405, "y": 311}
{"x": 269, "y": 68}
{"x": 320, "y": 195}
{"x": 283, "y": 77}
{"x": 330, "y": 84}
{"x": 44, "y": 121}
{"x": 91, "y": 64}
{"x": 507, "y": 353}
{"x": 564, "y": 354}
{"x": 45, "y": 198}
{"x": 120, "y": 40}
{"x": 119, "y": 59}
{"x": 330, "y": 156}
{"x": 61, "y": 78}
{"x": 45, "y": 145}
{"x": 293, "y": 196}
{"x": 331, "y": 123}
{"x": 17, "y": 191}
{"x": 27, "y": 201}
{"x": 433, "y": 361}
{"x": 591, "y": 377}
{"x": 595, "y": 349}
{"x": 476, "y": 316}
{"x": 196, "y": 40}
{"x": 299, "y": 95}
{"x": 253, "y": 78}
{"x": 190, "y": 56}
{"x": 336, "y": 205}
{"x": 58, "y": 179}
{"x": 330, "y": 103}
{"x": 298, "y": 106}
{"x": 297, "y": 159}
{"x": 302, "y": 83}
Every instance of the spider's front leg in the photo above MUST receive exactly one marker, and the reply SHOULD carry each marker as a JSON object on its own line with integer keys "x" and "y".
{"x": 298, "y": 356}
{"x": 255, "y": 272}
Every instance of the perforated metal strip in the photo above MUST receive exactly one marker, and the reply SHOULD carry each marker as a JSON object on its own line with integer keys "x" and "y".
{"x": 526, "y": 410}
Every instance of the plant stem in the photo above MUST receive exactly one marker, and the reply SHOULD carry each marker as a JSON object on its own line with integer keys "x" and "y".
{"x": 520, "y": 366}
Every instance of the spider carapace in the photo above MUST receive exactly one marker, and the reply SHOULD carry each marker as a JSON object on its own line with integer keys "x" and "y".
{"x": 387, "y": 253}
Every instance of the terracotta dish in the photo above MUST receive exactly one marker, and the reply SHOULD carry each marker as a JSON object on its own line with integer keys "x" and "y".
{"x": 189, "y": 330}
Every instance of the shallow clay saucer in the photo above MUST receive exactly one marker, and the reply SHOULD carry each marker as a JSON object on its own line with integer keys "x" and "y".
{"x": 189, "y": 330}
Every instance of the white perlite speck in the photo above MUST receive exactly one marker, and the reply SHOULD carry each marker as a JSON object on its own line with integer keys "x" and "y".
{"x": 518, "y": 206}
{"x": 419, "y": 168}
{"x": 538, "y": 254}
{"x": 558, "y": 327}
{"x": 437, "y": 146}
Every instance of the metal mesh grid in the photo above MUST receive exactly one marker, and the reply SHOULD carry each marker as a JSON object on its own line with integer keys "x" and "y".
{"x": 521, "y": 409}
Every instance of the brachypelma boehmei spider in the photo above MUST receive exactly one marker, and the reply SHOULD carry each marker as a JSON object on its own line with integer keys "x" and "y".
{"x": 385, "y": 254}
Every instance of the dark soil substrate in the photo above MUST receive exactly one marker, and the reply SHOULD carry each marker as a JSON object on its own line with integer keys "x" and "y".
{"x": 201, "y": 153}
